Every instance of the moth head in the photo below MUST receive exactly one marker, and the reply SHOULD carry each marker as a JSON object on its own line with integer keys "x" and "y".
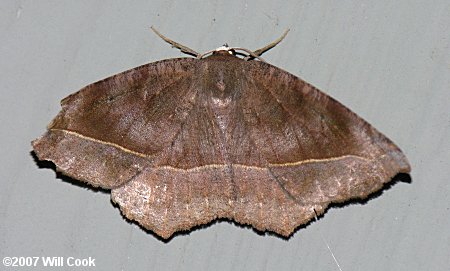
{"x": 247, "y": 54}
{"x": 225, "y": 48}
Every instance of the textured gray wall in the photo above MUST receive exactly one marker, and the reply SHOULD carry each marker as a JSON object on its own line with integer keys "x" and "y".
{"x": 389, "y": 61}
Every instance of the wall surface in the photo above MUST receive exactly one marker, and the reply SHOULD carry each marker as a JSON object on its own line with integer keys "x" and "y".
{"x": 389, "y": 61}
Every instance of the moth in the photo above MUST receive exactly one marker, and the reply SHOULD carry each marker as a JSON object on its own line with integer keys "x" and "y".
{"x": 182, "y": 142}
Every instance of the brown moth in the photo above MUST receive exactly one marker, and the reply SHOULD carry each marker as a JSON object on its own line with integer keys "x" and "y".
{"x": 182, "y": 142}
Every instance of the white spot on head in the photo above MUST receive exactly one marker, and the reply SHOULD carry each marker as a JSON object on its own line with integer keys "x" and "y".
{"x": 224, "y": 48}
